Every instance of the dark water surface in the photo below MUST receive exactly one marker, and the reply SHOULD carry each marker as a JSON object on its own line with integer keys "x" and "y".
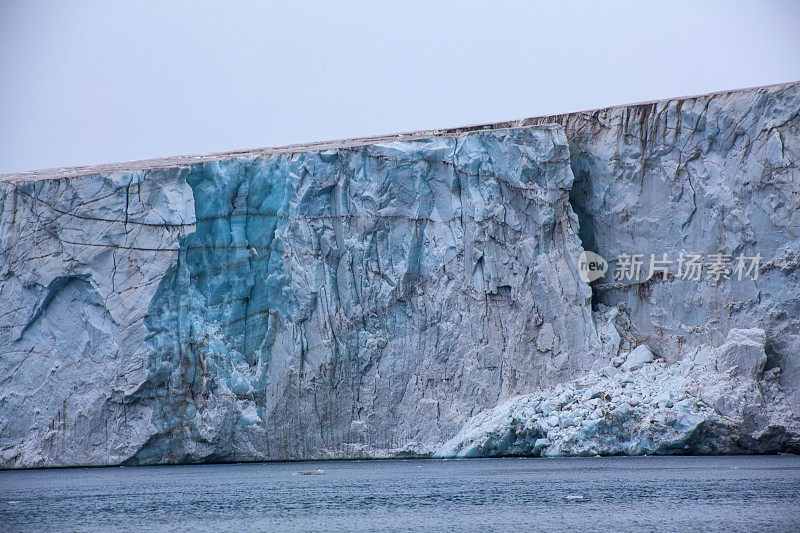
{"x": 623, "y": 494}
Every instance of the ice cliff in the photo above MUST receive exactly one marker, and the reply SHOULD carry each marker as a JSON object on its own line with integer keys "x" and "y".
{"x": 410, "y": 295}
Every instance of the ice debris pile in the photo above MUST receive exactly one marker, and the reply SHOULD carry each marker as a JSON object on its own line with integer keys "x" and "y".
{"x": 715, "y": 400}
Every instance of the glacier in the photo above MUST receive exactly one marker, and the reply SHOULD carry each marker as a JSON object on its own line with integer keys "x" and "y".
{"x": 410, "y": 295}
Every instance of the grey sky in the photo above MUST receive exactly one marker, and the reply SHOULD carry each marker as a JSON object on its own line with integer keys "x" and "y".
{"x": 85, "y": 82}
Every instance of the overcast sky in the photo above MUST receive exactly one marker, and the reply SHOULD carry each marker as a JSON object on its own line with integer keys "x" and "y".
{"x": 85, "y": 83}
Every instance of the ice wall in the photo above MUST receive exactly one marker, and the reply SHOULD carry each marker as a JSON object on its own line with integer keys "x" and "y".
{"x": 410, "y": 294}
{"x": 711, "y": 174}
{"x": 360, "y": 301}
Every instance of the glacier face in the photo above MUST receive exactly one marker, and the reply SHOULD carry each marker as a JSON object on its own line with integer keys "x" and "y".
{"x": 710, "y": 174}
{"x": 410, "y": 295}
{"x": 361, "y": 301}
{"x": 81, "y": 261}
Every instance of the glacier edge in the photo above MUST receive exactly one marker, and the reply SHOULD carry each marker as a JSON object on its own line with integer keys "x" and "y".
{"x": 410, "y": 296}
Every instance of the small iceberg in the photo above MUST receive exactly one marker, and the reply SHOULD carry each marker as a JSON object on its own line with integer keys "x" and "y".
{"x": 310, "y": 473}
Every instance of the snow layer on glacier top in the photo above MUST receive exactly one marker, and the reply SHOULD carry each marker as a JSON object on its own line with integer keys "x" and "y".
{"x": 173, "y": 161}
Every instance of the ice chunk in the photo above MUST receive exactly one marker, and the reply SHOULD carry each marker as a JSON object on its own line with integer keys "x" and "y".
{"x": 743, "y": 351}
{"x": 637, "y": 358}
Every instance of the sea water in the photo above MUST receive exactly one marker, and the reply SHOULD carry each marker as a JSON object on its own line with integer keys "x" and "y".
{"x": 742, "y": 493}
